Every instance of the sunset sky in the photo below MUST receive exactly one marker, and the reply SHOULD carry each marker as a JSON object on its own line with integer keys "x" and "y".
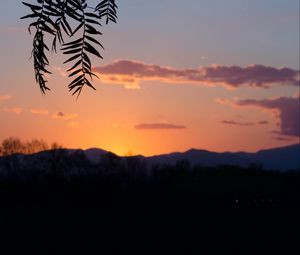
{"x": 207, "y": 74}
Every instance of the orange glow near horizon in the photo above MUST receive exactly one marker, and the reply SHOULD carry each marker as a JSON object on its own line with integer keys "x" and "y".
{"x": 173, "y": 88}
{"x": 91, "y": 122}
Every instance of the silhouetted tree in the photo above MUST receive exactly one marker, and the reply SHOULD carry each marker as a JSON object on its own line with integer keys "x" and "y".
{"x": 56, "y": 146}
{"x": 68, "y": 18}
{"x": 35, "y": 146}
{"x": 11, "y": 145}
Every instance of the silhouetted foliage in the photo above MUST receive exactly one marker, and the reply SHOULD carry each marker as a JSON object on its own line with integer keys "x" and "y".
{"x": 13, "y": 145}
{"x": 186, "y": 209}
{"x": 10, "y": 146}
{"x": 68, "y": 18}
{"x": 210, "y": 186}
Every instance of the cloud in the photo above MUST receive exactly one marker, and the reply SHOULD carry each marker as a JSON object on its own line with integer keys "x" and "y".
{"x": 156, "y": 126}
{"x": 131, "y": 73}
{"x": 232, "y": 122}
{"x": 60, "y": 71}
{"x": 263, "y": 122}
{"x": 286, "y": 110}
{"x": 237, "y": 123}
{"x": 283, "y": 139}
{"x": 4, "y": 97}
{"x": 39, "y": 111}
{"x": 73, "y": 124}
{"x": 255, "y": 75}
{"x": 223, "y": 101}
{"x": 16, "y": 110}
{"x": 61, "y": 115}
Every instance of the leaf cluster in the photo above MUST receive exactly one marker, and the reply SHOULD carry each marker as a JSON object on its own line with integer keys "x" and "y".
{"x": 79, "y": 23}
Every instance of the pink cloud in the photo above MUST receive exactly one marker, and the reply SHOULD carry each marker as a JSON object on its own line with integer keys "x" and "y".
{"x": 286, "y": 110}
{"x": 39, "y": 111}
{"x": 15, "y": 110}
{"x": 131, "y": 73}
{"x": 60, "y": 71}
{"x": 155, "y": 126}
{"x": 4, "y": 97}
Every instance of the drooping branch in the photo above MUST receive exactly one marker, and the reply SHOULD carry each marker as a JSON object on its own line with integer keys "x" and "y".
{"x": 57, "y": 19}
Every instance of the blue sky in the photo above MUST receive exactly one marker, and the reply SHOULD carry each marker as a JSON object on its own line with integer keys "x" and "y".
{"x": 225, "y": 32}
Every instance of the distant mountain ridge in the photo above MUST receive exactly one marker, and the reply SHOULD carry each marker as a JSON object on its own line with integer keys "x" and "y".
{"x": 282, "y": 158}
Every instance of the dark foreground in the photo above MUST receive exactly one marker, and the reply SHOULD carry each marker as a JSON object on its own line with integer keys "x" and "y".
{"x": 170, "y": 210}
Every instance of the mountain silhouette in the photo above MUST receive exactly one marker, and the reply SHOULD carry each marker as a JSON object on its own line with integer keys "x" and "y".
{"x": 282, "y": 158}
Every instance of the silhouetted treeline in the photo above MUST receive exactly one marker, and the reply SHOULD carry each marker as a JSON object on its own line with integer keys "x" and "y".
{"x": 181, "y": 207}
{"x": 14, "y": 145}
{"x": 225, "y": 186}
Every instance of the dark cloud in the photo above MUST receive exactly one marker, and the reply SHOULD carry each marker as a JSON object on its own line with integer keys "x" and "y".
{"x": 283, "y": 139}
{"x": 255, "y": 75}
{"x": 61, "y": 115}
{"x": 237, "y": 123}
{"x": 285, "y": 109}
{"x": 232, "y": 122}
{"x": 130, "y": 73}
{"x": 154, "y": 126}
{"x": 263, "y": 122}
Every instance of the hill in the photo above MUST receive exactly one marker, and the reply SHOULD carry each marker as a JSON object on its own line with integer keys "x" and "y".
{"x": 283, "y": 158}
